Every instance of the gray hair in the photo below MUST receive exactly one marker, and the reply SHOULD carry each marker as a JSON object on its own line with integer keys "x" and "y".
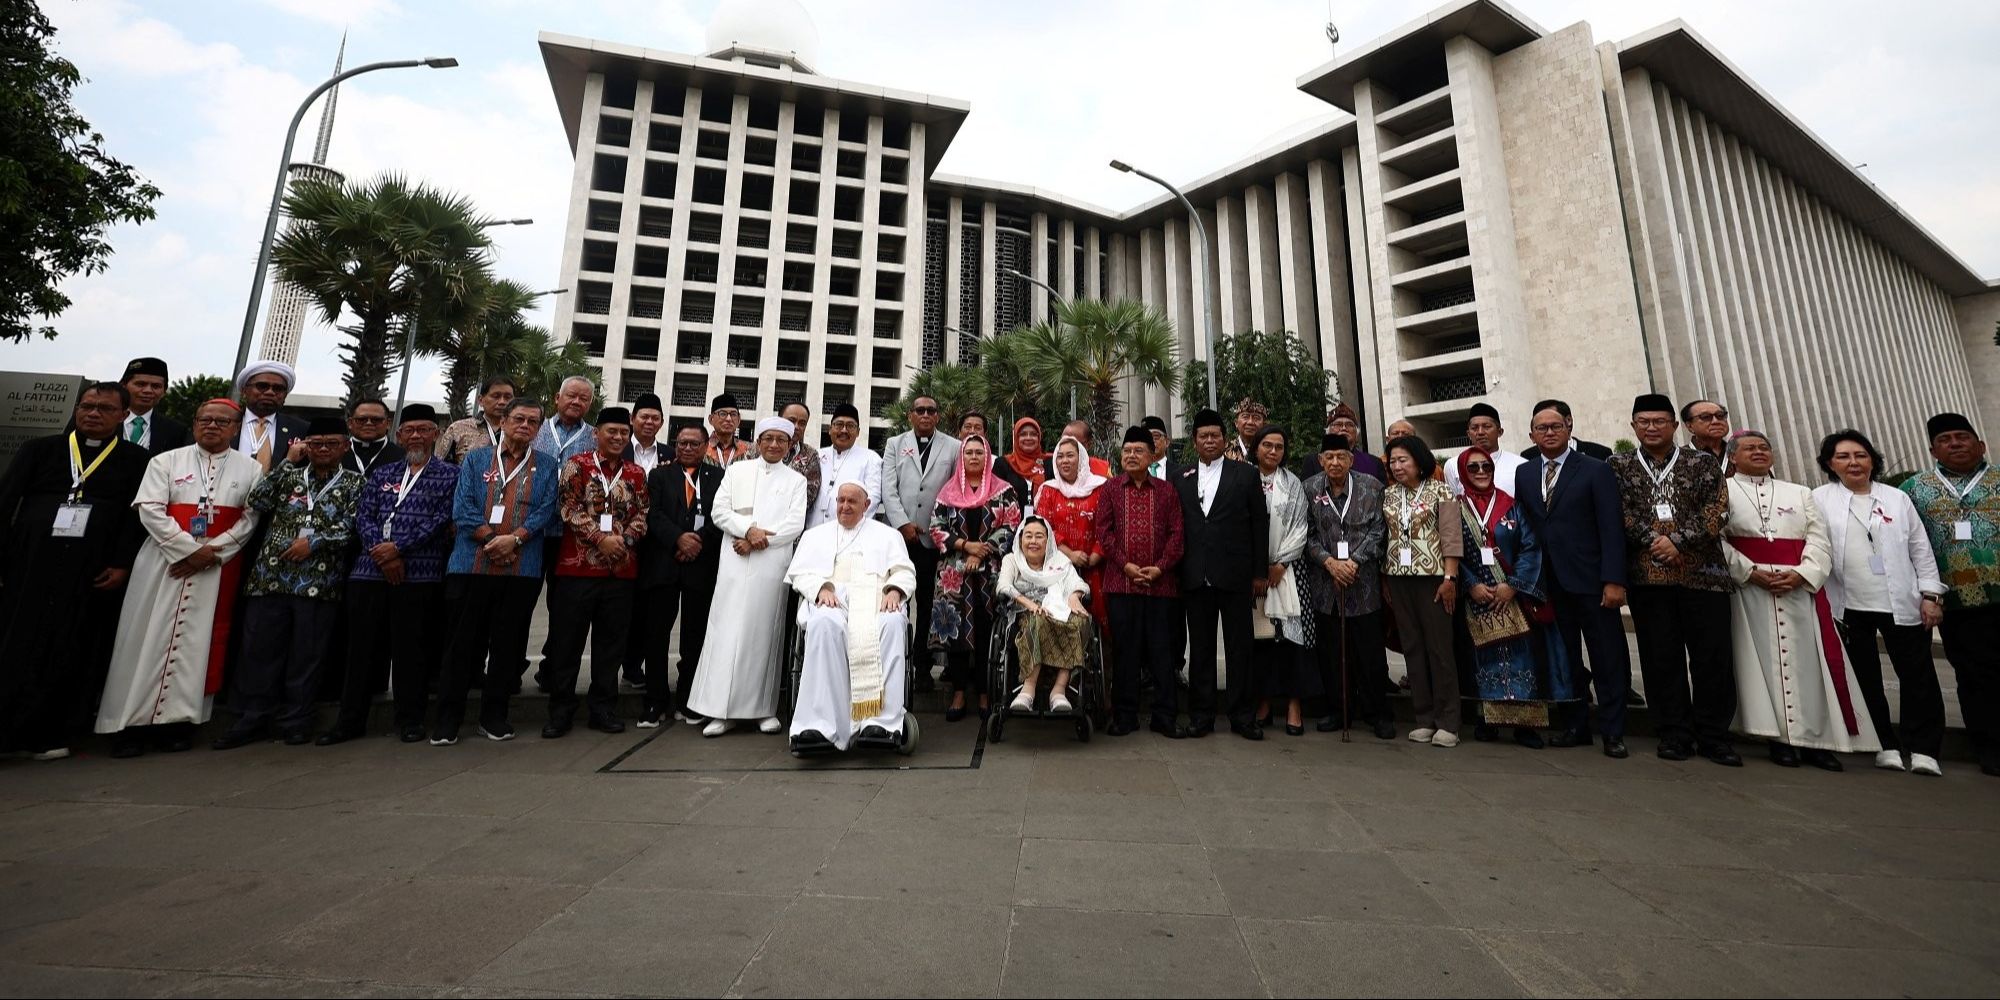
{"x": 523, "y": 403}
{"x": 1746, "y": 432}
{"x": 577, "y": 378}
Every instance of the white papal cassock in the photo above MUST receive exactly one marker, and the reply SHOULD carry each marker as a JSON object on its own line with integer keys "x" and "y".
{"x": 737, "y": 677}
{"x": 855, "y": 653}
{"x": 1792, "y": 683}
{"x": 166, "y": 664}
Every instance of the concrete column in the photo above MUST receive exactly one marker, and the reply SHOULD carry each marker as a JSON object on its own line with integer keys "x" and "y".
{"x": 1335, "y": 315}
{"x": 1262, "y": 264}
{"x": 1297, "y": 263}
{"x": 954, "y": 282}
{"x": 988, "y": 273}
{"x": 1039, "y": 309}
{"x": 1233, "y": 265}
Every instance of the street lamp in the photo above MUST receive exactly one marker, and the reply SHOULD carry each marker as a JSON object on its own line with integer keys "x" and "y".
{"x": 1060, "y": 301}
{"x": 1201, "y": 249}
{"x": 410, "y": 328}
{"x": 278, "y": 191}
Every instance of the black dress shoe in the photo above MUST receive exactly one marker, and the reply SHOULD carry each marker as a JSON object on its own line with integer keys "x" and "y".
{"x": 413, "y": 734}
{"x": 1570, "y": 738}
{"x": 1484, "y": 733}
{"x": 1262, "y": 722}
{"x": 1291, "y": 730}
{"x": 810, "y": 740}
{"x": 1170, "y": 730}
{"x": 1825, "y": 760}
{"x": 1248, "y": 730}
{"x": 231, "y": 740}
{"x": 1671, "y": 751}
{"x": 298, "y": 739}
{"x": 1614, "y": 748}
{"x": 1198, "y": 728}
{"x": 1528, "y": 738}
{"x": 1119, "y": 727}
{"x": 1783, "y": 755}
{"x": 556, "y": 730}
{"x": 873, "y": 734}
{"x": 1385, "y": 730}
{"x": 1724, "y": 755}
{"x": 1327, "y": 723}
{"x": 122, "y": 749}
{"x": 175, "y": 744}
{"x": 332, "y": 738}
{"x": 1990, "y": 770}
{"x": 954, "y": 714}
{"x": 607, "y": 724}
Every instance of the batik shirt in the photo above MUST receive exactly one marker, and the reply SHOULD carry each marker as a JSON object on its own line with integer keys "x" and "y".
{"x": 297, "y": 503}
{"x": 1969, "y": 567}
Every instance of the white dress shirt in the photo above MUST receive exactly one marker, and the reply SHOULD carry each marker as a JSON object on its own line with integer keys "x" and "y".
{"x": 145, "y": 436}
{"x": 646, "y": 455}
{"x": 254, "y": 435}
{"x": 1207, "y": 481}
{"x": 858, "y": 464}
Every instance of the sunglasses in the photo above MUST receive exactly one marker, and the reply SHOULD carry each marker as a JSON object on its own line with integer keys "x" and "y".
{"x": 1479, "y": 466}
{"x": 923, "y": 409}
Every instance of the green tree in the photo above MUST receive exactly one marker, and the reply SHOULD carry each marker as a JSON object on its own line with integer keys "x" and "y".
{"x": 390, "y": 253}
{"x": 1094, "y": 345}
{"x": 546, "y": 363}
{"x": 59, "y": 189}
{"x": 480, "y": 334}
{"x": 1274, "y": 369}
{"x": 957, "y": 388}
{"x": 189, "y": 392}
{"x": 1007, "y": 389}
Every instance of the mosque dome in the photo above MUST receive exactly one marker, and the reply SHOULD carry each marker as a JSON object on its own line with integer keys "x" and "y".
{"x": 780, "y": 27}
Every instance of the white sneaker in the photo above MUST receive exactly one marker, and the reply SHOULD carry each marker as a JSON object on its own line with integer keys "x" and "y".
{"x": 1889, "y": 760}
{"x": 1059, "y": 703}
{"x": 1422, "y": 735}
{"x": 716, "y": 727}
{"x": 1922, "y": 764}
{"x": 54, "y": 753}
{"x": 771, "y": 725}
{"x": 1023, "y": 702}
{"x": 690, "y": 718}
{"x": 1444, "y": 738}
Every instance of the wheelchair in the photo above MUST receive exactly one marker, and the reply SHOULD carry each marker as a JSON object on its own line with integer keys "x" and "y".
{"x": 904, "y": 742}
{"x": 1086, "y": 691}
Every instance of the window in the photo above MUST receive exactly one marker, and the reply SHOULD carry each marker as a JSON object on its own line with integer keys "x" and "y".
{"x": 840, "y": 359}
{"x": 841, "y": 320}
{"x": 847, "y": 203}
{"x": 702, "y": 265}
{"x": 896, "y": 132}
{"x": 691, "y": 348}
{"x": 664, "y": 138}
{"x": 760, "y": 151}
{"x": 889, "y": 287}
{"x": 888, "y": 324}
{"x": 889, "y": 249}
{"x": 745, "y": 352}
{"x": 593, "y": 297}
{"x": 634, "y": 382}
{"x": 656, "y": 222}
{"x": 751, "y": 272}
{"x": 834, "y": 394}
{"x": 895, "y": 170}
{"x": 763, "y": 112}
{"x": 852, "y": 163}
{"x": 642, "y": 344}
{"x": 800, "y": 238}
{"x": 890, "y": 211}
{"x": 853, "y": 126}
{"x": 805, "y": 157}
{"x": 608, "y": 173}
{"x": 620, "y": 90}
{"x": 746, "y": 311}
{"x": 792, "y": 355}
{"x": 599, "y": 255}
{"x": 809, "y": 119}
{"x": 705, "y": 227}
{"x": 660, "y": 176}
{"x": 887, "y": 361}
{"x": 710, "y": 144}
{"x": 798, "y": 276}
{"x": 697, "y": 307}
{"x": 846, "y": 281}
{"x": 789, "y": 391}
{"x": 753, "y": 234}
{"x": 603, "y": 216}
{"x": 709, "y": 185}
{"x": 878, "y": 401}
{"x": 591, "y": 335}
{"x": 757, "y": 191}
{"x": 648, "y": 303}
{"x": 614, "y": 130}
{"x": 847, "y": 243}
{"x": 745, "y": 391}
{"x": 669, "y": 98}
{"x": 795, "y": 317}
{"x": 649, "y": 261}
{"x": 717, "y": 104}
{"x": 690, "y": 389}
{"x": 804, "y": 197}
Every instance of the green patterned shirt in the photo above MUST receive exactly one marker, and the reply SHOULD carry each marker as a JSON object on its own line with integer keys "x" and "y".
{"x": 1970, "y": 567}
{"x": 281, "y": 497}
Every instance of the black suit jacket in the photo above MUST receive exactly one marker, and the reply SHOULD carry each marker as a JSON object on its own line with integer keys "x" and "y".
{"x": 1591, "y": 448}
{"x": 1581, "y": 527}
{"x": 669, "y": 518}
{"x": 167, "y": 432}
{"x": 390, "y": 455}
{"x": 1229, "y": 546}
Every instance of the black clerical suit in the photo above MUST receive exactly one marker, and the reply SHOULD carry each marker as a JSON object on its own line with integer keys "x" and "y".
{"x": 1228, "y": 548}
{"x": 670, "y": 588}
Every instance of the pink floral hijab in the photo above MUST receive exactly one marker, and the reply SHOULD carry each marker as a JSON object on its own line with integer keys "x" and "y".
{"x": 957, "y": 493}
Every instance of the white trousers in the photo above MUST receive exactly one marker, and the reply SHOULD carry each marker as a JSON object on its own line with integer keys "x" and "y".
{"x": 825, "y": 702}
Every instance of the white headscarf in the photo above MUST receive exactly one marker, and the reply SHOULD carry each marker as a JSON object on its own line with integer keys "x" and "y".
{"x": 1087, "y": 480}
{"x": 789, "y": 429}
{"x": 256, "y": 368}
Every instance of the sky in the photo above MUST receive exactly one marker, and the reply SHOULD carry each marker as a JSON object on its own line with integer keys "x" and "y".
{"x": 196, "y": 94}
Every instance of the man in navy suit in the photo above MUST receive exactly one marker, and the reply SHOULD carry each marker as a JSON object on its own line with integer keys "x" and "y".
{"x": 1571, "y": 501}
{"x": 678, "y": 561}
{"x": 1227, "y": 528}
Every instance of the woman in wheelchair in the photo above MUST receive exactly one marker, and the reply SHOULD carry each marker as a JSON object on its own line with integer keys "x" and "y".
{"x": 1051, "y": 623}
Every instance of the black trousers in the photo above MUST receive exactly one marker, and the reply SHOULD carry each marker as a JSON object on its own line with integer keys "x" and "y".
{"x": 1206, "y": 605}
{"x": 1910, "y": 653}
{"x": 966, "y": 669}
{"x": 491, "y": 629}
{"x": 389, "y": 629}
{"x": 598, "y": 608}
{"x": 1365, "y": 697}
{"x": 277, "y": 680}
{"x": 661, "y": 606}
{"x": 1149, "y": 643}
{"x": 926, "y": 559}
{"x": 551, "y": 554}
{"x": 1972, "y": 644}
{"x": 1688, "y": 664}
{"x": 1584, "y": 622}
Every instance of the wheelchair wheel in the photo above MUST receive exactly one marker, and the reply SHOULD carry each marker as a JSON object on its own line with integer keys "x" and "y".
{"x": 908, "y": 744}
{"x": 1083, "y": 728}
{"x": 996, "y": 727}
{"x": 794, "y": 668}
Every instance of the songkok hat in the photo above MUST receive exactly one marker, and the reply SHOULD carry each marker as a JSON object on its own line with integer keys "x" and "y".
{"x": 845, "y": 410}
{"x": 1335, "y": 442}
{"x": 419, "y": 411}
{"x": 1248, "y": 405}
{"x": 1483, "y": 410}
{"x": 1945, "y": 423}
{"x": 1138, "y": 434}
{"x": 1207, "y": 418}
{"x": 646, "y": 401}
{"x": 256, "y": 368}
{"x": 326, "y": 425}
{"x": 1154, "y": 424}
{"x": 615, "y": 415}
{"x": 1652, "y": 402}
{"x": 144, "y": 366}
{"x": 723, "y": 402}
{"x": 779, "y": 424}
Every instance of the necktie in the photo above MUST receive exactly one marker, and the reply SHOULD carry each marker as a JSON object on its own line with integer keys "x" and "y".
{"x": 264, "y": 442}
{"x": 1548, "y": 478}
{"x": 923, "y": 453}
{"x": 138, "y": 429}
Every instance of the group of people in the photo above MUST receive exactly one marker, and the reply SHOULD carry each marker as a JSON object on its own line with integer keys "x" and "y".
{"x": 257, "y": 555}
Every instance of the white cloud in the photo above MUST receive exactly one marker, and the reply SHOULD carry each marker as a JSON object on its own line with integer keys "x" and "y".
{"x": 339, "y": 13}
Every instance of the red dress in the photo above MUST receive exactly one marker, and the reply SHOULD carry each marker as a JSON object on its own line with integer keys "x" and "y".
{"x": 1075, "y": 522}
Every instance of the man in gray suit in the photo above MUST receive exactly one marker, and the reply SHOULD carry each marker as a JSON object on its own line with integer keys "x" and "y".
{"x": 915, "y": 465}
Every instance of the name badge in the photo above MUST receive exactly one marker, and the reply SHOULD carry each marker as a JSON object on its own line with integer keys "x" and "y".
{"x": 198, "y": 526}
{"x": 1408, "y": 558}
{"x": 700, "y": 522}
{"x": 1663, "y": 511}
{"x": 1961, "y": 531}
{"x": 389, "y": 529}
{"x": 306, "y": 533}
{"x": 1488, "y": 557}
{"x": 70, "y": 520}
{"x": 498, "y": 515}
{"x": 1877, "y": 566}
{"x": 604, "y": 523}
{"x": 1340, "y": 550}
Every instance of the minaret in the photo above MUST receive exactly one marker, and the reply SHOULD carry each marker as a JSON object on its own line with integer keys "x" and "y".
{"x": 285, "y": 324}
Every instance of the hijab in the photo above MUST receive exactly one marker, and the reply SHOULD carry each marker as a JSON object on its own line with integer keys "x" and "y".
{"x": 1087, "y": 480}
{"x": 958, "y": 493}
{"x": 1028, "y": 464}
{"x": 1478, "y": 498}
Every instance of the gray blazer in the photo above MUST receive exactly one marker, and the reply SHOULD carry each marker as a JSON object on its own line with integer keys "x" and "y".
{"x": 909, "y": 490}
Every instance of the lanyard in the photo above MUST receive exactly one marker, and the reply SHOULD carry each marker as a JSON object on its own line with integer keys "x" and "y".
{"x": 367, "y": 465}
{"x": 1958, "y": 495}
{"x": 563, "y": 443}
{"x": 500, "y": 463}
{"x": 1485, "y": 516}
{"x": 77, "y": 472}
{"x": 604, "y": 482}
{"x": 411, "y": 473}
{"x": 1341, "y": 511}
{"x": 1408, "y": 509}
{"x": 694, "y": 483}
{"x": 1660, "y": 478}
{"x": 312, "y": 499}
{"x": 492, "y": 433}
{"x": 1865, "y": 522}
{"x": 261, "y": 436}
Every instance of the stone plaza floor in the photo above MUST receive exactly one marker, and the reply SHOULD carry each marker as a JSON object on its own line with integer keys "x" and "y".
{"x": 659, "y": 863}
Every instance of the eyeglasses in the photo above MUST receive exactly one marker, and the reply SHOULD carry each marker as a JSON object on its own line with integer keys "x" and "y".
{"x": 323, "y": 443}
{"x": 923, "y": 409}
{"x": 267, "y": 387}
{"x": 98, "y": 407}
{"x": 1479, "y": 466}
{"x": 1548, "y": 428}
{"x": 846, "y": 425}
{"x": 731, "y": 414}
{"x": 1652, "y": 423}
{"x": 214, "y": 421}
{"x": 367, "y": 420}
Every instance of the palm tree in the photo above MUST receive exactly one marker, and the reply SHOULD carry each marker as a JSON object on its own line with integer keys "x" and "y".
{"x": 1091, "y": 346}
{"x": 479, "y": 335}
{"x": 389, "y": 252}
{"x": 1008, "y": 388}
{"x": 957, "y": 388}
{"x": 545, "y": 364}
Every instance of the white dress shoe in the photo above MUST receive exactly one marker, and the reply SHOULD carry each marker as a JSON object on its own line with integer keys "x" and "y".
{"x": 771, "y": 725}
{"x": 1922, "y": 764}
{"x": 1889, "y": 760}
{"x": 1422, "y": 735}
{"x": 1444, "y": 738}
{"x": 716, "y": 727}
{"x": 1024, "y": 702}
{"x": 1059, "y": 703}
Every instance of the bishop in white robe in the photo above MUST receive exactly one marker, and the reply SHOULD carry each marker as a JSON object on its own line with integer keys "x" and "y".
{"x": 761, "y": 509}
{"x": 1792, "y": 685}
{"x": 166, "y": 663}
{"x": 853, "y": 577}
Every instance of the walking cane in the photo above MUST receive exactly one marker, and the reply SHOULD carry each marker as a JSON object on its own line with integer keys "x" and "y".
{"x": 1346, "y": 693}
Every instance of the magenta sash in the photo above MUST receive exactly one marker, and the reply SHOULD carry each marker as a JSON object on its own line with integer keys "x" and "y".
{"x": 1788, "y": 552}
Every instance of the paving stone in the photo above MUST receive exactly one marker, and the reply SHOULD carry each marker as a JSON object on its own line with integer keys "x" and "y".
{"x": 880, "y": 864}
{"x": 1314, "y": 958}
{"x": 1091, "y": 874}
{"x": 728, "y": 859}
{"x": 1116, "y": 816}
{"x": 836, "y": 947}
{"x": 1298, "y": 824}
{"x": 1320, "y": 885}
{"x": 1622, "y": 965}
{"x": 1083, "y": 953}
{"x": 636, "y": 942}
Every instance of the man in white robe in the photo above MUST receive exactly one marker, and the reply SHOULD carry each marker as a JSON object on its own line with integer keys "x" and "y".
{"x": 166, "y": 664}
{"x": 1792, "y": 685}
{"x": 761, "y": 509}
{"x": 845, "y": 461}
{"x": 852, "y": 575}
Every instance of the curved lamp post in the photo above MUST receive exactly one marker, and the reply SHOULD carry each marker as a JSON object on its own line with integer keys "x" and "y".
{"x": 1201, "y": 251}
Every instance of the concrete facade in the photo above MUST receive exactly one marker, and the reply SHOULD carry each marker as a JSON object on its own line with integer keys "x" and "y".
{"x": 1504, "y": 214}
